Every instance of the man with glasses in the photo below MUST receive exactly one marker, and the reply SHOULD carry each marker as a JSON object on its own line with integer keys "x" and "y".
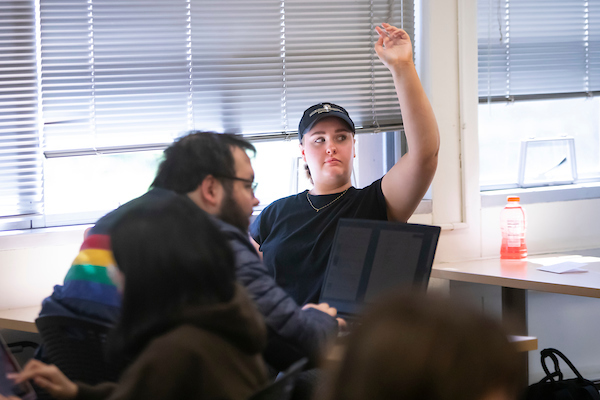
{"x": 215, "y": 172}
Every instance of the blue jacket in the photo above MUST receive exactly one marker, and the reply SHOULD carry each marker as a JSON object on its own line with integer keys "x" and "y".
{"x": 293, "y": 333}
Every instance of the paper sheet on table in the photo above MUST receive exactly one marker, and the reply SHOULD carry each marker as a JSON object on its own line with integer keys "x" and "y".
{"x": 564, "y": 267}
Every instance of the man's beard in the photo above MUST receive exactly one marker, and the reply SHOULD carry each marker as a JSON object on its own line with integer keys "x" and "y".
{"x": 233, "y": 214}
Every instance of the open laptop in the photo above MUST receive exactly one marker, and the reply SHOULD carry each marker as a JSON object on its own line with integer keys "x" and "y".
{"x": 369, "y": 258}
{"x": 9, "y": 364}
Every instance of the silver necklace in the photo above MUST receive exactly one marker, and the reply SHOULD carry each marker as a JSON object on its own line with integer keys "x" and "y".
{"x": 326, "y": 205}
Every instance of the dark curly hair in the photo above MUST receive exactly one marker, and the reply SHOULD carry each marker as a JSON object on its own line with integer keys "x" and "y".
{"x": 196, "y": 155}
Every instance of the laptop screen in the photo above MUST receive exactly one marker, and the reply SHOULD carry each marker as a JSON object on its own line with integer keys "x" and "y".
{"x": 369, "y": 258}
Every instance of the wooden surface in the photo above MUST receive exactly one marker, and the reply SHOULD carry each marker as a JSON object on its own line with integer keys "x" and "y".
{"x": 524, "y": 274}
{"x": 20, "y": 319}
{"x": 524, "y": 343}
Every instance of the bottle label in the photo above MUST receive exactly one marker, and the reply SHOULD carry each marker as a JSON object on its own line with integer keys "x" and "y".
{"x": 514, "y": 233}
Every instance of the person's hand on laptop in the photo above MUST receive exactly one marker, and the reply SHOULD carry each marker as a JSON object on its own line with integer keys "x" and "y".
{"x": 324, "y": 307}
{"x": 48, "y": 377}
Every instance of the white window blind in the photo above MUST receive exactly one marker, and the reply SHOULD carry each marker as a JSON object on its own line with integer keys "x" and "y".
{"x": 259, "y": 64}
{"x": 20, "y": 158}
{"x": 133, "y": 74}
{"x": 115, "y": 73}
{"x": 533, "y": 49}
{"x": 330, "y": 57}
{"x": 237, "y": 65}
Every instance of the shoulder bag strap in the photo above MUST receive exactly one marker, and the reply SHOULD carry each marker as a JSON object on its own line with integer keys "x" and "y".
{"x": 565, "y": 359}
{"x": 548, "y": 353}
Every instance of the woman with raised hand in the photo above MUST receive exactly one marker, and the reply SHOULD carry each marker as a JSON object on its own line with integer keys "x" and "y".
{"x": 190, "y": 330}
{"x": 296, "y": 233}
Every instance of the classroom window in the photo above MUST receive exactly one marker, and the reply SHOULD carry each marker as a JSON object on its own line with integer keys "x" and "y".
{"x": 539, "y": 70}
{"x": 103, "y": 86}
{"x": 20, "y": 155}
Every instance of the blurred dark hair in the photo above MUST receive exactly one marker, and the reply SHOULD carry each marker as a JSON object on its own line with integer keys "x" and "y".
{"x": 308, "y": 174}
{"x": 196, "y": 155}
{"x": 173, "y": 258}
{"x": 419, "y": 347}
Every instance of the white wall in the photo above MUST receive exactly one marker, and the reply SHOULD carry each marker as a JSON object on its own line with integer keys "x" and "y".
{"x": 449, "y": 74}
{"x": 32, "y": 263}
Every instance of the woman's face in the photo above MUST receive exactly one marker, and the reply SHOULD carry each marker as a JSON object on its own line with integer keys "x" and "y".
{"x": 328, "y": 150}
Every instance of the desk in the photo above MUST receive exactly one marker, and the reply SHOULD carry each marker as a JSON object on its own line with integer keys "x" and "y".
{"x": 523, "y": 344}
{"x": 516, "y": 277}
{"x": 524, "y": 275}
{"x": 20, "y": 319}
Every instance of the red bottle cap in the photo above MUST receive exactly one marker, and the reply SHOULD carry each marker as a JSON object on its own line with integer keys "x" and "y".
{"x": 513, "y": 198}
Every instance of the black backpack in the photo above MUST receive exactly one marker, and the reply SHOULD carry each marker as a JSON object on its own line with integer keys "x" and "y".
{"x": 554, "y": 387}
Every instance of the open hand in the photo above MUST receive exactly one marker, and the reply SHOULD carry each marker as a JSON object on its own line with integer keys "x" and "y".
{"x": 393, "y": 47}
{"x": 48, "y": 377}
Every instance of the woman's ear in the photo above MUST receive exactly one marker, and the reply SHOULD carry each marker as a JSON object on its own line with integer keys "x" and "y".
{"x": 301, "y": 147}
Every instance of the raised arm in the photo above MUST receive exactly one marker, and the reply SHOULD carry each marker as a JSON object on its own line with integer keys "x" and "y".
{"x": 406, "y": 183}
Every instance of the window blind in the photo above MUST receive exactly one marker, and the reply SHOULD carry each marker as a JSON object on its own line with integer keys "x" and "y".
{"x": 114, "y": 73}
{"x": 238, "y": 68}
{"x": 330, "y": 57}
{"x": 530, "y": 49}
{"x": 20, "y": 159}
{"x": 128, "y": 74}
{"x": 259, "y": 64}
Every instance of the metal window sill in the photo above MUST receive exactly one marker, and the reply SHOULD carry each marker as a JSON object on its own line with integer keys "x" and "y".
{"x": 546, "y": 194}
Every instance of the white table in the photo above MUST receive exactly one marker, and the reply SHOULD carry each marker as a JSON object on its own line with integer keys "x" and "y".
{"x": 516, "y": 277}
{"x": 524, "y": 274}
{"x": 20, "y": 319}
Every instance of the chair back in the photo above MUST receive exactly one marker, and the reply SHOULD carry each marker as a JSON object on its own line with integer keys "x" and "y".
{"x": 77, "y": 348}
{"x": 281, "y": 388}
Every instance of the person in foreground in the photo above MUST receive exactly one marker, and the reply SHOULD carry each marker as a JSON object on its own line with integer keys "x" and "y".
{"x": 424, "y": 347}
{"x": 192, "y": 332}
{"x": 296, "y": 233}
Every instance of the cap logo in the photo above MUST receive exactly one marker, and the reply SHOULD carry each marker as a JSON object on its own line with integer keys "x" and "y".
{"x": 325, "y": 109}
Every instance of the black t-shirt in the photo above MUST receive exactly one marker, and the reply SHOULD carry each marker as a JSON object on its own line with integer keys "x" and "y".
{"x": 296, "y": 240}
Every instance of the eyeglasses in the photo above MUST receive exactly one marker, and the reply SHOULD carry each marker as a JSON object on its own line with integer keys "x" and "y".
{"x": 253, "y": 185}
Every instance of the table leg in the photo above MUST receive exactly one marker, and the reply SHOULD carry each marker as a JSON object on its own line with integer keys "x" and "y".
{"x": 514, "y": 317}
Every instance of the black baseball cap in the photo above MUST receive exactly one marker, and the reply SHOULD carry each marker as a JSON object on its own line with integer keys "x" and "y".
{"x": 314, "y": 114}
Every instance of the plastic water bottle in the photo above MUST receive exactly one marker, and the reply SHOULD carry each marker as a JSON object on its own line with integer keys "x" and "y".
{"x": 512, "y": 225}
